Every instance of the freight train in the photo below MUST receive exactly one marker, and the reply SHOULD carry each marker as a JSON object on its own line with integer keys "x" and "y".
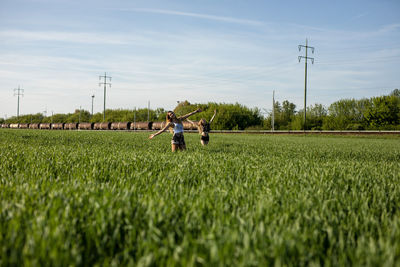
{"x": 96, "y": 126}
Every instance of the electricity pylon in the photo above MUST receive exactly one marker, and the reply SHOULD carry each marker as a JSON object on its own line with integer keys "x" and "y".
{"x": 105, "y": 83}
{"x": 305, "y": 76}
{"x": 18, "y": 92}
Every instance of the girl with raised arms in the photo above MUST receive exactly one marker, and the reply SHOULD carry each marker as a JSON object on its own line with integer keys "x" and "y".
{"x": 178, "y": 141}
{"x": 204, "y": 129}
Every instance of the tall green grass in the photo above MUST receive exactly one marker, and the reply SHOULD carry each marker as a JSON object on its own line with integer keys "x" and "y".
{"x": 116, "y": 198}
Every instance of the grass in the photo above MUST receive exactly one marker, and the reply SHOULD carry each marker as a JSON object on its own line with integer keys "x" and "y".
{"x": 116, "y": 198}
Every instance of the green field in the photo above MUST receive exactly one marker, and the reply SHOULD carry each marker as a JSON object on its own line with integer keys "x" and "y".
{"x": 117, "y": 198}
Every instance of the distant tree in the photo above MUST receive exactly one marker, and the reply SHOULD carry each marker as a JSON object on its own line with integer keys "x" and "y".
{"x": 160, "y": 114}
{"x": 345, "y": 114}
{"x": 129, "y": 115}
{"x": 315, "y": 117}
{"x": 395, "y": 92}
{"x": 77, "y": 116}
{"x": 229, "y": 116}
{"x": 60, "y": 118}
{"x": 283, "y": 116}
{"x": 287, "y": 114}
{"x": 27, "y": 118}
{"x": 383, "y": 111}
{"x": 288, "y": 110}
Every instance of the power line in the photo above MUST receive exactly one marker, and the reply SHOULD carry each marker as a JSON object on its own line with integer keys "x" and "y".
{"x": 105, "y": 83}
{"x": 18, "y": 92}
{"x": 305, "y": 76}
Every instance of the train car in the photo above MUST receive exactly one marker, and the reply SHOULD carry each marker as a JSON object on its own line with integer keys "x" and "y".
{"x": 14, "y": 125}
{"x": 189, "y": 126}
{"x": 24, "y": 125}
{"x": 142, "y": 125}
{"x": 158, "y": 125}
{"x": 34, "y": 125}
{"x": 71, "y": 126}
{"x": 57, "y": 126}
{"x": 86, "y": 126}
{"x": 46, "y": 126}
{"x": 102, "y": 126}
{"x": 5, "y": 125}
{"x": 121, "y": 125}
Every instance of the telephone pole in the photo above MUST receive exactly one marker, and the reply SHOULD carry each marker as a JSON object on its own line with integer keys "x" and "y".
{"x": 134, "y": 120}
{"x": 305, "y": 76}
{"x": 18, "y": 92}
{"x": 273, "y": 110}
{"x": 92, "y": 104}
{"x": 105, "y": 83}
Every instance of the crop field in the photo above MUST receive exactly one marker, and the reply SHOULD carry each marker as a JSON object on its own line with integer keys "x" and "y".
{"x": 76, "y": 198}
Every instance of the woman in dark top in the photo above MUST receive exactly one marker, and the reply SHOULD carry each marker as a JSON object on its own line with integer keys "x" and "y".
{"x": 204, "y": 129}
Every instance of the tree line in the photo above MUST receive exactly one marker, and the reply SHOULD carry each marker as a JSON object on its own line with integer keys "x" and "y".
{"x": 375, "y": 113}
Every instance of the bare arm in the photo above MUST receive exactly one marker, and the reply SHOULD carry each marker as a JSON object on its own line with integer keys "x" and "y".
{"x": 160, "y": 131}
{"x": 184, "y": 117}
{"x": 195, "y": 124}
{"x": 215, "y": 113}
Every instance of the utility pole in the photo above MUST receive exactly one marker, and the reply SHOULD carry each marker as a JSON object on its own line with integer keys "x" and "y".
{"x": 134, "y": 120}
{"x": 92, "y": 104}
{"x": 273, "y": 111}
{"x": 105, "y": 83}
{"x": 305, "y": 76}
{"x": 18, "y": 92}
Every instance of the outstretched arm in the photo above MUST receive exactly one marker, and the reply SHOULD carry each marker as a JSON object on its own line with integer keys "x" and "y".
{"x": 160, "y": 131}
{"x": 195, "y": 125}
{"x": 215, "y": 113}
{"x": 184, "y": 117}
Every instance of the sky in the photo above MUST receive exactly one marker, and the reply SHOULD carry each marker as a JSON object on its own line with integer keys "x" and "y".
{"x": 161, "y": 52}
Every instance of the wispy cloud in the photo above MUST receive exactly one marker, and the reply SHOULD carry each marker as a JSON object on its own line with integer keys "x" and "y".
{"x": 390, "y": 28}
{"x": 73, "y": 37}
{"x": 195, "y": 15}
{"x": 359, "y": 16}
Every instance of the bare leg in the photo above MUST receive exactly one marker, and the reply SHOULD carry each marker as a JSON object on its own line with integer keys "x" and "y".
{"x": 174, "y": 147}
{"x": 204, "y": 142}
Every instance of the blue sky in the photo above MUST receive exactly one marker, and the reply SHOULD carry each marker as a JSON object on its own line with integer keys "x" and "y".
{"x": 200, "y": 51}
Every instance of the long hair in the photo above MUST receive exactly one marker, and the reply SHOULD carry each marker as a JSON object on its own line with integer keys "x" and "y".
{"x": 201, "y": 124}
{"x": 168, "y": 118}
